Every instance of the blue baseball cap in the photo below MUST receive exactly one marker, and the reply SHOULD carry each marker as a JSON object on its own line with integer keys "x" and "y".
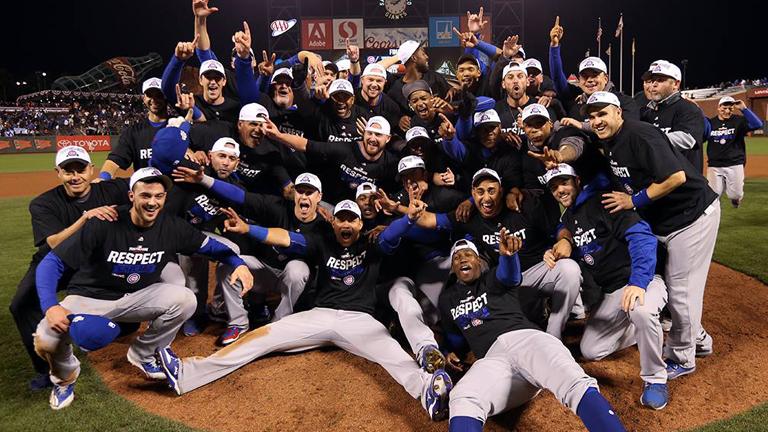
{"x": 92, "y": 332}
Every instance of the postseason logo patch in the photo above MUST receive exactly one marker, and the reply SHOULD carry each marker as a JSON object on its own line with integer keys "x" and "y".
{"x": 588, "y": 259}
{"x": 133, "y": 278}
{"x": 348, "y": 280}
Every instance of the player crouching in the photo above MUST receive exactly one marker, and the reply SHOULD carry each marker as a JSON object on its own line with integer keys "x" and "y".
{"x": 619, "y": 250}
{"x": 117, "y": 276}
{"x": 516, "y": 359}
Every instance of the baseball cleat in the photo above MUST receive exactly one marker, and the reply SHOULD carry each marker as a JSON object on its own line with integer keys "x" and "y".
{"x": 171, "y": 365}
{"x": 431, "y": 359}
{"x": 62, "y": 396}
{"x": 434, "y": 398}
{"x": 676, "y": 370}
{"x": 655, "y": 396}
{"x": 704, "y": 345}
{"x": 191, "y": 328}
{"x": 40, "y": 382}
{"x": 151, "y": 369}
{"x": 231, "y": 334}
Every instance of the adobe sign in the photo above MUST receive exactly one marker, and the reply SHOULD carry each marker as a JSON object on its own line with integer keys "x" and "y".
{"x": 316, "y": 34}
{"x": 351, "y": 28}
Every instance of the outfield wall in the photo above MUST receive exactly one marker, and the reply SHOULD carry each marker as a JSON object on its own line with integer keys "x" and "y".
{"x": 49, "y": 144}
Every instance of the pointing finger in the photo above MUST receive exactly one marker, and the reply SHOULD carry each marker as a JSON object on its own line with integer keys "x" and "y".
{"x": 246, "y": 29}
{"x": 264, "y": 56}
{"x": 458, "y": 33}
{"x": 557, "y": 21}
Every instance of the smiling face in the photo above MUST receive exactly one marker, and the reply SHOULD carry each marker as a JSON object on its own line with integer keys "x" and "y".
{"x": 421, "y": 59}
{"x": 213, "y": 85}
{"x": 662, "y": 86}
{"x": 374, "y": 143}
{"x": 537, "y": 129}
{"x": 223, "y": 163}
{"x": 515, "y": 84}
{"x": 342, "y": 103}
{"x": 468, "y": 73}
{"x": 725, "y": 111}
{"x": 283, "y": 93}
{"x": 466, "y": 265}
{"x": 366, "y": 202}
{"x": 346, "y": 226}
{"x": 414, "y": 175}
{"x": 592, "y": 80}
{"x": 488, "y": 196}
{"x": 535, "y": 78}
{"x": 372, "y": 86}
{"x": 420, "y": 102}
{"x": 155, "y": 102}
{"x": 605, "y": 121}
{"x": 75, "y": 176}
{"x": 305, "y": 201}
{"x": 148, "y": 200}
{"x": 565, "y": 189}
{"x": 250, "y": 132}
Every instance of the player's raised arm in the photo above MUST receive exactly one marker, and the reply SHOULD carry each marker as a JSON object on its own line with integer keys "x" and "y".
{"x": 269, "y": 236}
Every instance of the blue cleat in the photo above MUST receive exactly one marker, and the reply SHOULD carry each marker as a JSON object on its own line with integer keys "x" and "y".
{"x": 434, "y": 398}
{"x": 655, "y": 396}
{"x": 151, "y": 369}
{"x": 62, "y": 396}
{"x": 676, "y": 370}
{"x": 171, "y": 365}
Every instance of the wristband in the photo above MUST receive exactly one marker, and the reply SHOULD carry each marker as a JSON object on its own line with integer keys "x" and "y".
{"x": 641, "y": 199}
{"x": 105, "y": 175}
{"x": 207, "y": 181}
{"x": 258, "y": 232}
{"x": 355, "y": 62}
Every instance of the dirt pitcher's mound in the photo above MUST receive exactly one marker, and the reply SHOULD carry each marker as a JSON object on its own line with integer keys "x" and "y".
{"x": 333, "y": 390}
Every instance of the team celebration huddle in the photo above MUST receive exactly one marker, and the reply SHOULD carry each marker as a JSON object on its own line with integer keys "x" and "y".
{"x": 446, "y": 230}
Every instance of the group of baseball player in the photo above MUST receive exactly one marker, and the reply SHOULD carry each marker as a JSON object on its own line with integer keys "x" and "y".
{"x": 340, "y": 202}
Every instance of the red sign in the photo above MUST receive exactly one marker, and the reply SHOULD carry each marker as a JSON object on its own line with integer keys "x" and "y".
{"x": 22, "y": 144}
{"x": 42, "y": 144}
{"x": 347, "y": 28}
{"x": 88, "y": 142}
{"x": 759, "y": 92}
{"x": 5, "y": 144}
{"x": 486, "y": 33}
{"x": 316, "y": 34}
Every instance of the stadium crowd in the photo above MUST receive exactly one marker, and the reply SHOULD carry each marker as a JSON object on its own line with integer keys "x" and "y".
{"x": 479, "y": 215}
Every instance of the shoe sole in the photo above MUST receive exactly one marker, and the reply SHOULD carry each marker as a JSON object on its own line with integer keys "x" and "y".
{"x": 169, "y": 376}
{"x": 442, "y": 400}
{"x": 648, "y": 406}
{"x": 224, "y": 343}
{"x": 67, "y": 402}
{"x": 146, "y": 374}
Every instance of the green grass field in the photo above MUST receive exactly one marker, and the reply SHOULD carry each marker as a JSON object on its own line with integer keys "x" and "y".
{"x": 742, "y": 244}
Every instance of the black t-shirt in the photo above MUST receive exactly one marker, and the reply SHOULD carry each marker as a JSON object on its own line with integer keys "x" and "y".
{"x": 629, "y": 109}
{"x": 228, "y": 111}
{"x": 532, "y": 225}
{"x": 678, "y": 114}
{"x": 435, "y": 160}
{"x": 504, "y": 159}
{"x": 261, "y": 168}
{"x": 509, "y": 115}
{"x": 116, "y": 258}
{"x": 599, "y": 239}
{"x": 641, "y": 154}
{"x": 347, "y": 276}
{"x": 353, "y": 168}
{"x": 726, "y": 142}
{"x": 436, "y": 82}
{"x": 197, "y": 205}
{"x": 274, "y": 212}
{"x": 482, "y": 310}
{"x": 54, "y": 210}
{"x": 134, "y": 147}
{"x": 334, "y": 129}
{"x": 384, "y": 107}
{"x": 587, "y": 165}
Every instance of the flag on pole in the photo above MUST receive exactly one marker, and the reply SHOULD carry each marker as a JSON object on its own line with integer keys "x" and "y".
{"x": 620, "y": 28}
{"x": 633, "y": 46}
{"x": 608, "y": 51}
{"x": 599, "y": 29}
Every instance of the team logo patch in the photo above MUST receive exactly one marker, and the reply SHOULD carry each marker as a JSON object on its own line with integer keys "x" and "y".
{"x": 588, "y": 259}
{"x": 477, "y": 322}
{"x": 722, "y": 141}
{"x": 133, "y": 278}
{"x": 348, "y": 280}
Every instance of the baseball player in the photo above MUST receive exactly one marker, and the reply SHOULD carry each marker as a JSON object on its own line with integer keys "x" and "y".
{"x": 117, "y": 275}
{"x": 726, "y": 152}
{"x": 340, "y": 120}
{"x": 412, "y": 54}
{"x": 56, "y": 215}
{"x": 682, "y": 210}
{"x": 515, "y": 82}
{"x": 516, "y": 359}
{"x": 371, "y": 96}
{"x": 346, "y": 298}
{"x": 681, "y": 120}
{"x": 560, "y": 283}
{"x": 619, "y": 251}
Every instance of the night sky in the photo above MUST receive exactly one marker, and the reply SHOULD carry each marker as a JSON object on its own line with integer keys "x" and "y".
{"x": 723, "y": 41}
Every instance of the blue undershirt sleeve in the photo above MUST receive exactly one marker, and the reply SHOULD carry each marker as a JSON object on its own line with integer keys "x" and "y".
{"x": 47, "y": 276}
{"x": 642, "y": 252}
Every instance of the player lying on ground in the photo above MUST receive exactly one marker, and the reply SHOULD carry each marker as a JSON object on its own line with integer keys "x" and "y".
{"x": 346, "y": 298}
{"x": 516, "y": 358}
{"x": 619, "y": 251}
{"x": 118, "y": 265}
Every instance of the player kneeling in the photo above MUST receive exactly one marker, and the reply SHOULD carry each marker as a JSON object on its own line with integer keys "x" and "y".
{"x": 516, "y": 359}
{"x": 619, "y": 250}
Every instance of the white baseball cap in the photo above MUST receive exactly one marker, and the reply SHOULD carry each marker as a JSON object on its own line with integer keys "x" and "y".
{"x": 410, "y": 162}
{"x": 562, "y": 170}
{"x": 463, "y": 244}
{"x": 253, "y": 112}
{"x": 347, "y": 205}
{"x": 535, "y": 110}
{"x": 281, "y": 71}
{"x": 341, "y": 85}
{"x": 152, "y": 83}
{"x": 365, "y": 188}
{"x": 663, "y": 67}
{"x": 343, "y": 64}
{"x": 375, "y": 69}
{"x": 212, "y": 65}
{"x": 416, "y": 132}
{"x": 149, "y": 173}
{"x": 226, "y": 145}
{"x": 488, "y": 116}
{"x": 603, "y": 98}
{"x": 407, "y": 49}
{"x": 726, "y": 100}
{"x": 378, "y": 124}
{"x": 72, "y": 153}
{"x": 595, "y": 63}
{"x": 513, "y": 67}
{"x": 484, "y": 173}
{"x": 309, "y": 179}
{"x": 532, "y": 63}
